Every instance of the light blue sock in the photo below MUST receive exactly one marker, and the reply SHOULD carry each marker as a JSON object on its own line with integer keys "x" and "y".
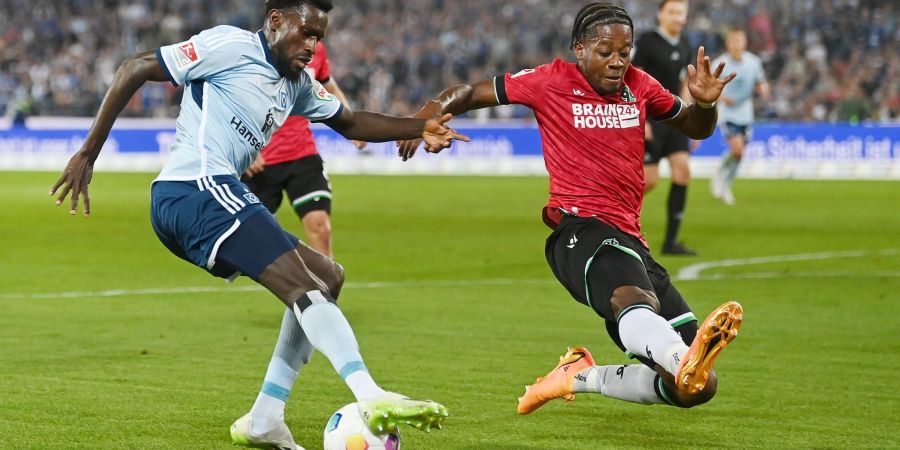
{"x": 292, "y": 352}
{"x": 330, "y": 333}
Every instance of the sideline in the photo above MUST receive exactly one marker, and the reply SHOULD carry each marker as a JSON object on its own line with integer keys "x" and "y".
{"x": 692, "y": 272}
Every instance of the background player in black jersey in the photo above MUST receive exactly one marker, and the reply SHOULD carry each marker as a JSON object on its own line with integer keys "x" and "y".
{"x": 664, "y": 53}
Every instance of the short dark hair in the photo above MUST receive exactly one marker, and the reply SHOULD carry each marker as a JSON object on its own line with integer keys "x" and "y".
{"x": 596, "y": 14}
{"x": 662, "y": 4}
{"x": 324, "y": 5}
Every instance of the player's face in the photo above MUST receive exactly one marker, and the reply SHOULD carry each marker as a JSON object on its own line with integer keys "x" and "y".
{"x": 672, "y": 17}
{"x": 295, "y": 34}
{"x": 604, "y": 60}
{"x": 736, "y": 43}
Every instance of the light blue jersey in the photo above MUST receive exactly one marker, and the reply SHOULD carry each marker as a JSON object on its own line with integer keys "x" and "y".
{"x": 234, "y": 100}
{"x": 749, "y": 74}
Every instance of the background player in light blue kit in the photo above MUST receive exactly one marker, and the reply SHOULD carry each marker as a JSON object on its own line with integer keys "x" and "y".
{"x": 736, "y": 109}
{"x": 239, "y": 88}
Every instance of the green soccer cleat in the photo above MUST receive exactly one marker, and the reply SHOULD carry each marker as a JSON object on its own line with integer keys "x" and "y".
{"x": 277, "y": 439}
{"x": 384, "y": 414}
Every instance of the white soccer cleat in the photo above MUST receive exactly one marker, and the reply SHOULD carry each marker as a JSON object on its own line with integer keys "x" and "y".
{"x": 278, "y": 438}
{"x": 727, "y": 196}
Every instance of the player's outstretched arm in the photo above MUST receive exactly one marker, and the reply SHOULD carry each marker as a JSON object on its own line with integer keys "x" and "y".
{"x": 374, "y": 127}
{"x": 698, "y": 121}
{"x": 334, "y": 88}
{"x": 455, "y": 100}
{"x": 130, "y": 76}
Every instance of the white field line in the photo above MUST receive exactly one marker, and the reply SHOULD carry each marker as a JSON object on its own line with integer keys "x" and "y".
{"x": 689, "y": 273}
{"x": 692, "y": 272}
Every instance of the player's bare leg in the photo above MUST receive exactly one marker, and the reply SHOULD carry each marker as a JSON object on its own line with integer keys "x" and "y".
{"x": 651, "y": 177}
{"x": 317, "y": 225}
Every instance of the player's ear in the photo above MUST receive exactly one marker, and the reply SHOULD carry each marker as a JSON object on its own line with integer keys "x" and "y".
{"x": 579, "y": 51}
{"x": 276, "y": 17}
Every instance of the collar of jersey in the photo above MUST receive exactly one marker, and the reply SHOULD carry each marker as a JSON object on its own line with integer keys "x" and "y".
{"x": 265, "y": 46}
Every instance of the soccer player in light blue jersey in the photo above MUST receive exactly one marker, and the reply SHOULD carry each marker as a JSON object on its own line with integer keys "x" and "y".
{"x": 736, "y": 109}
{"x": 239, "y": 88}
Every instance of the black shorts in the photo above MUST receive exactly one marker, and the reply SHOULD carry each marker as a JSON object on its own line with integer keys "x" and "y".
{"x": 303, "y": 180}
{"x": 666, "y": 140}
{"x": 592, "y": 259}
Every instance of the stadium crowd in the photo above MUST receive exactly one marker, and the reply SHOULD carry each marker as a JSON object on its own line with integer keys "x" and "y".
{"x": 833, "y": 60}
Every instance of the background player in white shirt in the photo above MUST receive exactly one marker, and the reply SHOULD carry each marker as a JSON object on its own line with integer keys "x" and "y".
{"x": 239, "y": 88}
{"x": 736, "y": 109}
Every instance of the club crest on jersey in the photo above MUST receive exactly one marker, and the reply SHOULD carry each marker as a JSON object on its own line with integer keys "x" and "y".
{"x": 628, "y": 96}
{"x": 282, "y": 99}
{"x": 322, "y": 93}
{"x": 605, "y": 115}
{"x": 522, "y": 72}
{"x": 185, "y": 54}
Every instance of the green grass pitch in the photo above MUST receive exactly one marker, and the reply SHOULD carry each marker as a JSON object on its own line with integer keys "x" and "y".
{"x": 104, "y": 346}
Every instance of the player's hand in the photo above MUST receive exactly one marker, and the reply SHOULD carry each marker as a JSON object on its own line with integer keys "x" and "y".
{"x": 648, "y": 132}
{"x": 258, "y": 165}
{"x": 703, "y": 83}
{"x": 438, "y": 136}
{"x": 75, "y": 180}
{"x": 359, "y": 144}
{"x": 406, "y": 149}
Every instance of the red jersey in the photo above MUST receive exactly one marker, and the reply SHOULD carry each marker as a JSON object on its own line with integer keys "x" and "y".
{"x": 593, "y": 144}
{"x": 294, "y": 140}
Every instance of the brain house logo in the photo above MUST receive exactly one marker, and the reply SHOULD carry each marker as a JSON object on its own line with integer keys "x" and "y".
{"x": 587, "y": 115}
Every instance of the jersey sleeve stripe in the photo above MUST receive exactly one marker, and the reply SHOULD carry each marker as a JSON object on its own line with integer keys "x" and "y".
{"x": 674, "y": 111}
{"x": 500, "y": 90}
{"x": 336, "y": 114}
{"x": 162, "y": 62}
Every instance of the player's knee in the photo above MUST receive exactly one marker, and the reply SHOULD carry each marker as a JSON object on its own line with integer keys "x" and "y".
{"x": 681, "y": 174}
{"x": 650, "y": 184}
{"x": 625, "y": 296}
{"x": 337, "y": 281}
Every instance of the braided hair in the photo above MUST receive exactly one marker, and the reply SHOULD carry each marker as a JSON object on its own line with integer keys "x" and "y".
{"x": 595, "y": 14}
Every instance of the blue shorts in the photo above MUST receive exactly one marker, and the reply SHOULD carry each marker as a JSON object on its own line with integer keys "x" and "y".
{"x": 730, "y": 129}
{"x": 217, "y": 224}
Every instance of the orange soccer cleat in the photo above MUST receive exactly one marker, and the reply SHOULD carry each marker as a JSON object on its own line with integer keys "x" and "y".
{"x": 719, "y": 328}
{"x": 558, "y": 383}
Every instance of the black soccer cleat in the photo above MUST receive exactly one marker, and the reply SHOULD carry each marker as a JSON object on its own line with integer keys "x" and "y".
{"x": 678, "y": 249}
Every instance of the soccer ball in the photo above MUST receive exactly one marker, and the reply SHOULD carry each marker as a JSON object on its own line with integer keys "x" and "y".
{"x": 346, "y": 430}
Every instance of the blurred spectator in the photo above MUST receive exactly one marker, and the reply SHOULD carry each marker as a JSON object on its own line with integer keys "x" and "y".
{"x": 826, "y": 59}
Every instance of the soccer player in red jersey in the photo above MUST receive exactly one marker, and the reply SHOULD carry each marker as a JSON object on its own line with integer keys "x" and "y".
{"x": 291, "y": 163}
{"x": 591, "y": 116}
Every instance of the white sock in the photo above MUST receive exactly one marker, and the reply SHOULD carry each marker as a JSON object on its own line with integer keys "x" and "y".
{"x": 330, "y": 333}
{"x": 632, "y": 383}
{"x": 292, "y": 351}
{"x": 645, "y": 333}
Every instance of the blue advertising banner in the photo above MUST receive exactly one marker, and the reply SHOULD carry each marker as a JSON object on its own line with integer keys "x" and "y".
{"x": 29, "y": 148}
